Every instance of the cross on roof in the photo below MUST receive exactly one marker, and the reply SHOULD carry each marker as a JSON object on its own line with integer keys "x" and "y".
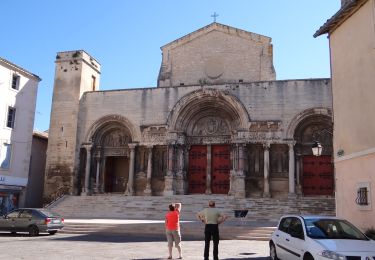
{"x": 214, "y": 16}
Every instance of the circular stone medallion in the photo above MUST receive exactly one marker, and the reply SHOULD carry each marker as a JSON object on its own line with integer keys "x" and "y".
{"x": 214, "y": 67}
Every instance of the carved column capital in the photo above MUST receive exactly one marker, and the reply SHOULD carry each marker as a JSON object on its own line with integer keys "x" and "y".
{"x": 87, "y": 146}
{"x": 291, "y": 144}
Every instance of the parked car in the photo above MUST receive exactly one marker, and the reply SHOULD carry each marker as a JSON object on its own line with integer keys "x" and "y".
{"x": 31, "y": 220}
{"x": 319, "y": 237}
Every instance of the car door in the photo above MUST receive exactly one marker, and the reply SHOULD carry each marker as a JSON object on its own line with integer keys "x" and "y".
{"x": 281, "y": 236}
{"x": 9, "y": 222}
{"x": 24, "y": 220}
{"x": 296, "y": 243}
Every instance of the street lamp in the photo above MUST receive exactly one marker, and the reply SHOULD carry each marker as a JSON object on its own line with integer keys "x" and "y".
{"x": 317, "y": 149}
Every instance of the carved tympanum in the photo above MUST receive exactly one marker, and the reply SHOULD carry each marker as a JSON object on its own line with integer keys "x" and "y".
{"x": 210, "y": 126}
{"x": 116, "y": 138}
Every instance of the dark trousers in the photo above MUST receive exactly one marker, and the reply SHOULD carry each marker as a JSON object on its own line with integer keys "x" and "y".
{"x": 211, "y": 230}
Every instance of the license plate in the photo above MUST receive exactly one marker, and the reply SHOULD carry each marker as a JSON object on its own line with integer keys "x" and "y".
{"x": 56, "y": 221}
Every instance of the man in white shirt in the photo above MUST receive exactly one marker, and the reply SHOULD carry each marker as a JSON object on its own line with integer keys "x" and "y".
{"x": 212, "y": 217}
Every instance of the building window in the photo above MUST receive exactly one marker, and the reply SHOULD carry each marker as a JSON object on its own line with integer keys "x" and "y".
{"x": 5, "y": 153}
{"x": 15, "y": 81}
{"x": 11, "y": 117}
{"x": 362, "y": 196}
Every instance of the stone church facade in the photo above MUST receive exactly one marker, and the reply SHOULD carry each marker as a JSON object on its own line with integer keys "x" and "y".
{"x": 217, "y": 123}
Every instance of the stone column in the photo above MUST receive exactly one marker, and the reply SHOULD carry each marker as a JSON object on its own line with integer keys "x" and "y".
{"x": 103, "y": 175}
{"x": 170, "y": 177}
{"x": 149, "y": 171}
{"x": 129, "y": 187}
{"x": 240, "y": 174}
{"x": 292, "y": 188}
{"x": 241, "y": 158}
{"x": 97, "y": 177}
{"x": 298, "y": 173}
{"x": 181, "y": 185}
{"x": 266, "y": 190}
{"x": 86, "y": 190}
{"x": 233, "y": 171}
{"x": 209, "y": 170}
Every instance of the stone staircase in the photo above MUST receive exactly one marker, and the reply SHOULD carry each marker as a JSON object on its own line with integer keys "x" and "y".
{"x": 114, "y": 214}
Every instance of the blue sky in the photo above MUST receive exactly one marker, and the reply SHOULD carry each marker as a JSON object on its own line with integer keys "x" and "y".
{"x": 125, "y": 36}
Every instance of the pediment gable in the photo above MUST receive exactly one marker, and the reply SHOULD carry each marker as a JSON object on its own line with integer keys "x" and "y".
{"x": 217, "y": 27}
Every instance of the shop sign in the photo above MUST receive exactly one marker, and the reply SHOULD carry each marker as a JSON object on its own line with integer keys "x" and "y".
{"x": 7, "y": 180}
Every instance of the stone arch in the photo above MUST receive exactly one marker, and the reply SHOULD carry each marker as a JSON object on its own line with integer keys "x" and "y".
{"x": 323, "y": 113}
{"x": 109, "y": 123}
{"x": 313, "y": 128}
{"x": 315, "y": 174}
{"x": 195, "y": 105}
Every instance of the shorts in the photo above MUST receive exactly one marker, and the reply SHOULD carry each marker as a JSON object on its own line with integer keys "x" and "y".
{"x": 173, "y": 235}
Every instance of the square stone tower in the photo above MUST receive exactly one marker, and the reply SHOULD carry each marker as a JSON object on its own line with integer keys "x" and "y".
{"x": 76, "y": 72}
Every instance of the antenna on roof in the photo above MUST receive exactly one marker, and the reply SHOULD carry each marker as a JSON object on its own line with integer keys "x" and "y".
{"x": 214, "y": 16}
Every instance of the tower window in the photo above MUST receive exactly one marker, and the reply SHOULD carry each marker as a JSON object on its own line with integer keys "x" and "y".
{"x": 93, "y": 82}
{"x": 15, "y": 81}
{"x": 11, "y": 117}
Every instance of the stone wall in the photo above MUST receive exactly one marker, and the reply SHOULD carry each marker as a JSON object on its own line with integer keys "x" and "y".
{"x": 217, "y": 54}
{"x": 274, "y": 101}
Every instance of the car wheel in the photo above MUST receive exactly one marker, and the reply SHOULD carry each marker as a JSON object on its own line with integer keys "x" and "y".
{"x": 273, "y": 254}
{"x": 33, "y": 231}
{"x": 52, "y": 232}
{"x": 308, "y": 257}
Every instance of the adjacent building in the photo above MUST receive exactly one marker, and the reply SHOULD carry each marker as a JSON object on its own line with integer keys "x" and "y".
{"x": 351, "y": 33}
{"x": 218, "y": 122}
{"x": 34, "y": 189}
{"x": 18, "y": 91}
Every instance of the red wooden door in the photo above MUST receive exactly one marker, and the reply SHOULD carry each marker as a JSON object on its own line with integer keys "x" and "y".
{"x": 317, "y": 175}
{"x": 220, "y": 168}
{"x": 197, "y": 169}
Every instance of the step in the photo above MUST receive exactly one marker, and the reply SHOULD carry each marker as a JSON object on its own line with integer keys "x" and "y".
{"x": 118, "y": 206}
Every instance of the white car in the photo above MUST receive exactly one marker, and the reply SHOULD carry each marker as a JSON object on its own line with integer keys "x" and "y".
{"x": 319, "y": 238}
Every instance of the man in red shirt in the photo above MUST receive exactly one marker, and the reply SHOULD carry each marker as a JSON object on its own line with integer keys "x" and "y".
{"x": 172, "y": 228}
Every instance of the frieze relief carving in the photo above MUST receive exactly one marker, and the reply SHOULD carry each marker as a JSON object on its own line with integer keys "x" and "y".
{"x": 123, "y": 151}
{"x": 265, "y": 126}
{"x": 176, "y": 138}
{"x": 254, "y": 137}
{"x": 116, "y": 138}
{"x": 154, "y": 134}
{"x": 210, "y": 125}
{"x": 209, "y": 139}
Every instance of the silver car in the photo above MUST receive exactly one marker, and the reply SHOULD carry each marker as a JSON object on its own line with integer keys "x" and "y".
{"x": 32, "y": 221}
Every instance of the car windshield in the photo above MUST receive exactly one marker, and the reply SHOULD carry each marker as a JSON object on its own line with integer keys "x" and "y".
{"x": 332, "y": 229}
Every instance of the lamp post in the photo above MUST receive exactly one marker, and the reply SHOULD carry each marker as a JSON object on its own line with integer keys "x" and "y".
{"x": 317, "y": 135}
{"x": 317, "y": 149}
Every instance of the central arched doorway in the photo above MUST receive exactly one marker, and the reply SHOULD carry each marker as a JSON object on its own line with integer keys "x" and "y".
{"x": 208, "y": 119}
